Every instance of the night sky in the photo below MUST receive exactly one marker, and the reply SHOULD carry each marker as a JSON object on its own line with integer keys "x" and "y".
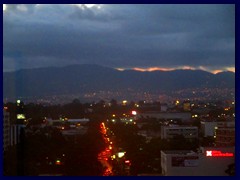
{"x": 141, "y": 37}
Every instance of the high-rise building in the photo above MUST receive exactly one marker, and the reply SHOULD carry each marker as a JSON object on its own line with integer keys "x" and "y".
{"x": 6, "y": 129}
{"x": 225, "y": 134}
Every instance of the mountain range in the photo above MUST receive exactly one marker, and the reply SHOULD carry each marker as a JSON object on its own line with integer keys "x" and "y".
{"x": 91, "y": 78}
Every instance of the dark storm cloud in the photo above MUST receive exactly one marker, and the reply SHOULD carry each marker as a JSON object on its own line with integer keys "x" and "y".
{"x": 119, "y": 36}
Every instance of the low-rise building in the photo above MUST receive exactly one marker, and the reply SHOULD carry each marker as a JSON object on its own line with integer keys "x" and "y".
{"x": 168, "y": 132}
{"x": 70, "y": 127}
{"x": 207, "y": 162}
{"x": 182, "y": 116}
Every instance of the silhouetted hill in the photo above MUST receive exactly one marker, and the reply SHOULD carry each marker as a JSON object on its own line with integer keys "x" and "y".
{"x": 90, "y": 78}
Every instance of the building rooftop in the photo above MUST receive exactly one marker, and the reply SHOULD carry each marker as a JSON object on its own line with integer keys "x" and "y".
{"x": 180, "y": 152}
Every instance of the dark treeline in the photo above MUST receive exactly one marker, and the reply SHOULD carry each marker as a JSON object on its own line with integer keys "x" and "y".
{"x": 72, "y": 110}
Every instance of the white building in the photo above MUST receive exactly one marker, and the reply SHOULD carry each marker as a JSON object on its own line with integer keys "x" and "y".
{"x": 168, "y": 132}
{"x": 183, "y": 116}
{"x": 70, "y": 127}
{"x": 208, "y": 162}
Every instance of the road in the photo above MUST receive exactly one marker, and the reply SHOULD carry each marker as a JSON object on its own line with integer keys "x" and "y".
{"x": 105, "y": 155}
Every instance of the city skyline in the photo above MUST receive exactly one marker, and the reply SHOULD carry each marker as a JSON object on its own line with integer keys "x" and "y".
{"x": 139, "y": 37}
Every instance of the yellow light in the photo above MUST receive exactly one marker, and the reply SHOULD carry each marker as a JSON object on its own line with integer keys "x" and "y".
{"x": 58, "y": 162}
{"x": 18, "y": 101}
{"x": 21, "y": 116}
{"x": 113, "y": 115}
{"x": 124, "y": 102}
{"x": 121, "y": 154}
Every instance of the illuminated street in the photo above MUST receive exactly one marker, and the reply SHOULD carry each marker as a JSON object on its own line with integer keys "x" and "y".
{"x": 105, "y": 155}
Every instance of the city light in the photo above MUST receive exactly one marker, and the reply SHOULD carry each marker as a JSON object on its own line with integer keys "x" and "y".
{"x": 121, "y": 154}
{"x": 124, "y": 102}
{"x": 58, "y": 162}
{"x": 136, "y": 105}
{"x": 21, "y": 116}
{"x": 134, "y": 112}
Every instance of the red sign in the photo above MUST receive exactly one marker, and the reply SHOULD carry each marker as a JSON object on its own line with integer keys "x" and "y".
{"x": 218, "y": 154}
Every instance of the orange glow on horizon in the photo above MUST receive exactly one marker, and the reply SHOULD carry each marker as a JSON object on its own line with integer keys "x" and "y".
{"x": 216, "y": 71}
{"x": 232, "y": 69}
{"x": 150, "y": 69}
